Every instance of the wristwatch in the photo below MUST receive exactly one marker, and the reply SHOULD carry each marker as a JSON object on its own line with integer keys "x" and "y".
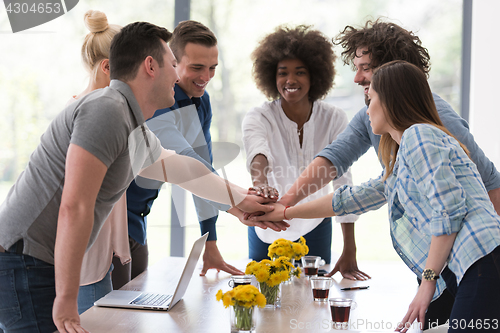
{"x": 429, "y": 275}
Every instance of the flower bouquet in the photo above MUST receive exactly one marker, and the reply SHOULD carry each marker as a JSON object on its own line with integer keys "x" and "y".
{"x": 243, "y": 300}
{"x": 270, "y": 275}
{"x": 293, "y": 250}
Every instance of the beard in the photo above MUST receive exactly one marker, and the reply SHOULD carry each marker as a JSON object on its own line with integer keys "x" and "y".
{"x": 363, "y": 84}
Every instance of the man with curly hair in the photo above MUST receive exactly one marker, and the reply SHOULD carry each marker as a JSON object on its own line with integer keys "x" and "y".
{"x": 294, "y": 68}
{"x": 365, "y": 49}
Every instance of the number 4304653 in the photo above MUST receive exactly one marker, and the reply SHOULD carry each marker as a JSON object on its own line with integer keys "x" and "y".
{"x": 25, "y": 8}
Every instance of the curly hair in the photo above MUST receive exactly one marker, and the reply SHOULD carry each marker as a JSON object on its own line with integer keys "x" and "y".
{"x": 385, "y": 42}
{"x": 309, "y": 46}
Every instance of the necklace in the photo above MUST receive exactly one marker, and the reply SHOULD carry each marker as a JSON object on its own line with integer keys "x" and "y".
{"x": 299, "y": 130}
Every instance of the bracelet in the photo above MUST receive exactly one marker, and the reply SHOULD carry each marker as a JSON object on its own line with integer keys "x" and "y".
{"x": 284, "y": 215}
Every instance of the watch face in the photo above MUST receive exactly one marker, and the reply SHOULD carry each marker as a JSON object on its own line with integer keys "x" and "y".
{"x": 429, "y": 275}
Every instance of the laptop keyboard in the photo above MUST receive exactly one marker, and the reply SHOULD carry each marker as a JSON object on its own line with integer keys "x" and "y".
{"x": 151, "y": 299}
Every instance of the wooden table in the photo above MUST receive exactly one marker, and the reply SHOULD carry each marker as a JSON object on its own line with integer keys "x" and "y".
{"x": 380, "y": 308}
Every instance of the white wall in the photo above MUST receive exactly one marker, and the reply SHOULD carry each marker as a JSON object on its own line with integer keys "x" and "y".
{"x": 485, "y": 85}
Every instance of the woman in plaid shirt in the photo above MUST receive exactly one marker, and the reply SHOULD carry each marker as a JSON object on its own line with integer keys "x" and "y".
{"x": 442, "y": 223}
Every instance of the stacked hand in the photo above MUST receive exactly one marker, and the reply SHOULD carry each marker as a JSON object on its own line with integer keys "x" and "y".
{"x": 254, "y": 201}
{"x": 268, "y": 217}
{"x": 274, "y": 216}
{"x": 265, "y": 191}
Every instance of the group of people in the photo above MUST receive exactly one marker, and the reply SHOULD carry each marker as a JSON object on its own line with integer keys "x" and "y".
{"x": 74, "y": 224}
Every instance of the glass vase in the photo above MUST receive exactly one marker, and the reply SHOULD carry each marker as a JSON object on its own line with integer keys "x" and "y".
{"x": 289, "y": 281}
{"x": 272, "y": 294}
{"x": 242, "y": 319}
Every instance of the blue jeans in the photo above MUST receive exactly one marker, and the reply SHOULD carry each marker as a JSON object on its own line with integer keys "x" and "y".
{"x": 477, "y": 298}
{"x": 90, "y": 293}
{"x": 319, "y": 241}
{"x": 27, "y": 293}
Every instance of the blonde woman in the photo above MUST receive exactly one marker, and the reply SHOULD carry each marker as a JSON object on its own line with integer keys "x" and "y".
{"x": 95, "y": 278}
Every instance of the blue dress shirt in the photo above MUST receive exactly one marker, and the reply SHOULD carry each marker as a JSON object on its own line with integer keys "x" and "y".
{"x": 174, "y": 132}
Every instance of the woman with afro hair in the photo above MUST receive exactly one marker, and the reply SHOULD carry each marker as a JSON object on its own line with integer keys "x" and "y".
{"x": 294, "y": 68}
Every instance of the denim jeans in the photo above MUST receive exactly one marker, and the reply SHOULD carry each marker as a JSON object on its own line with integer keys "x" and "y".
{"x": 319, "y": 241}
{"x": 90, "y": 293}
{"x": 27, "y": 293}
{"x": 477, "y": 297}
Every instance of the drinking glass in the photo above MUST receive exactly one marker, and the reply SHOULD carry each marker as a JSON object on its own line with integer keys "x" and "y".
{"x": 320, "y": 286}
{"x": 341, "y": 309}
{"x": 239, "y": 280}
{"x": 311, "y": 265}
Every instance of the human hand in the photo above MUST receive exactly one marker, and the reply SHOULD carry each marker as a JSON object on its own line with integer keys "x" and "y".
{"x": 265, "y": 191}
{"x": 348, "y": 267}
{"x": 65, "y": 316}
{"x": 213, "y": 259}
{"x": 242, "y": 216}
{"x": 253, "y": 203}
{"x": 276, "y": 215}
{"x": 418, "y": 306}
{"x": 258, "y": 191}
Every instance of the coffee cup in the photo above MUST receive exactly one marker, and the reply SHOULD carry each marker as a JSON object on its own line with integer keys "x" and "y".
{"x": 320, "y": 286}
{"x": 311, "y": 264}
{"x": 341, "y": 310}
{"x": 239, "y": 280}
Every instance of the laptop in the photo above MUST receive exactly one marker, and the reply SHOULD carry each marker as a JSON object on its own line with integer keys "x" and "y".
{"x": 152, "y": 301}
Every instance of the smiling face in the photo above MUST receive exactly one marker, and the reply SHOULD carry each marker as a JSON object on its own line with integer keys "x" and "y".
{"x": 293, "y": 81}
{"x": 166, "y": 79}
{"x": 364, "y": 72}
{"x": 377, "y": 114}
{"x": 196, "y": 68}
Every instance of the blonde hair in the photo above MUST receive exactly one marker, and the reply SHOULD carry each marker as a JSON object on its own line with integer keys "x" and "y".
{"x": 96, "y": 45}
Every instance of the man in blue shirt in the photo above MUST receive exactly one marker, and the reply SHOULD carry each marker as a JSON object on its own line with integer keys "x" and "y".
{"x": 365, "y": 49}
{"x": 185, "y": 128}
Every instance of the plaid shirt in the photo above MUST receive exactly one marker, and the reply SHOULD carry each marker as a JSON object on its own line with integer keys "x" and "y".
{"x": 435, "y": 189}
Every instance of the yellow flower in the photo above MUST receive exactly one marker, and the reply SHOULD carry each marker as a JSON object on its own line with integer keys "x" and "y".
{"x": 298, "y": 248}
{"x": 262, "y": 275}
{"x": 246, "y": 296}
{"x": 274, "y": 279}
{"x": 297, "y": 272}
{"x": 266, "y": 261}
{"x": 260, "y": 299}
{"x": 283, "y": 263}
{"x": 284, "y": 275}
{"x": 227, "y": 300}
{"x": 219, "y": 295}
{"x": 280, "y": 247}
{"x": 251, "y": 267}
